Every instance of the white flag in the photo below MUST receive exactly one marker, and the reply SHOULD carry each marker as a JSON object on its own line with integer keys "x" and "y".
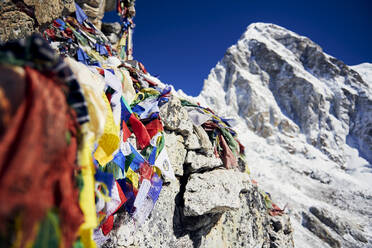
{"x": 163, "y": 163}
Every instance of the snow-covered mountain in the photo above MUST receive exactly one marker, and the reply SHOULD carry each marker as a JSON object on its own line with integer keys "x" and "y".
{"x": 306, "y": 121}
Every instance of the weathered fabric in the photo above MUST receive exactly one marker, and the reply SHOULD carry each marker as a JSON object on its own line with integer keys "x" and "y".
{"x": 37, "y": 160}
{"x": 37, "y": 53}
{"x": 225, "y": 152}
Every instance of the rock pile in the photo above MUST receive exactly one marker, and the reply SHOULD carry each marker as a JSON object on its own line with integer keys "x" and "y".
{"x": 208, "y": 206}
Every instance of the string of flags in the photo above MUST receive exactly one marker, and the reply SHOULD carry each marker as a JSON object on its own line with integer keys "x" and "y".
{"x": 97, "y": 136}
{"x": 121, "y": 158}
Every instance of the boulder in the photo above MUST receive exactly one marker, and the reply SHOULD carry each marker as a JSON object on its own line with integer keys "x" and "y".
{"x": 205, "y": 143}
{"x": 176, "y": 151}
{"x": 192, "y": 142}
{"x": 175, "y": 117}
{"x": 197, "y": 162}
{"x": 214, "y": 192}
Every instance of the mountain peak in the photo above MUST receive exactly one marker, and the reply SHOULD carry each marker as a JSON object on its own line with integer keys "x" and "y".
{"x": 305, "y": 118}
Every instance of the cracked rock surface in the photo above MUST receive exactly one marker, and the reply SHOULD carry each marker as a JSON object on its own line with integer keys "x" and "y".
{"x": 21, "y": 18}
{"x": 214, "y": 192}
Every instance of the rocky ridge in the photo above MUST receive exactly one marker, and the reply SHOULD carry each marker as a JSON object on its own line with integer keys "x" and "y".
{"x": 207, "y": 206}
{"x": 305, "y": 119}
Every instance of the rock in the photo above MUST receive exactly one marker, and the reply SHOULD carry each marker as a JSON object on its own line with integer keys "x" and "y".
{"x": 48, "y": 10}
{"x": 176, "y": 151}
{"x": 124, "y": 233}
{"x": 175, "y": 117}
{"x": 110, "y": 5}
{"x": 111, "y": 27}
{"x": 320, "y": 176}
{"x": 340, "y": 225}
{"x": 15, "y": 25}
{"x": 157, "y": 231}
{"x": 248, "y": 226}
{"x": 20, "y": 18}
{"x": 198, "y": 162}
{"x": 329, "y": 219}
{"x": 205, "y": 143}
{"x": 316, "y": 227}
{"x": 94, "y": 9}
{"x": 281, "y": 232}
{"x": 214, "y": 192}
{"x": 277, "y": 225}
{"x": 357, "y": 235}
{"x": 192, "y": 142}
{"x": 112, "y": 31}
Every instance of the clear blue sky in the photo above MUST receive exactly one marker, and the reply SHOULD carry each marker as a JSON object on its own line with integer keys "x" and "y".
{"x": 181, "y": 41}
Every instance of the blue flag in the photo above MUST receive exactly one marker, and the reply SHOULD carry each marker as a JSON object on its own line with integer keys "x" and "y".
{"x": 80, "y": 15}
{"x": 126, "y": 111}
{"x": 119, "y": 159}
{"x": 137, "y": 160}
{"x": 106, "y": 178}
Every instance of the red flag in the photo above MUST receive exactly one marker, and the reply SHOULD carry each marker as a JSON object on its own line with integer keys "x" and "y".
{"x": 145, "y": 171}
{"x": 143, "y": 137}
{"x": 154, "y": 127}
{"x": 142, "y": 67}
{"x": 123, "y": 199}
{"x": 107, "y": 225}
{"x": 126, "y": 132}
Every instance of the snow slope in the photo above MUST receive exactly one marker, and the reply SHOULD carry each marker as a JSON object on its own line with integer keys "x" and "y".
{"x": 365, "y": 71}
{"x": 306, "y": 121}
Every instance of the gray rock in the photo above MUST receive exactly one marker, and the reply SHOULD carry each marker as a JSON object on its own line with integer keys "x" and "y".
{"x": 112, "y": 31}
{"x": 214, "y": 192}
{"x": 176, "y": 151}
{"x": 192, "y": 142}
{"x": 330, "y": 220}
{"x": 320, "y": 176}
{"x": 358, "y": 235}
{"x": 110, "y": 5}
{"x": 249, "y": 226}
{"x": 21, "y": 18}
{"x": 340, "y": 225}
{"x": 197, "y": 162}
{"x": 157, "y": 231}
{"x": 205, "y": 143}
{"x": 48, "y": 10}
{"x": 111, "y": 27}
{"x": 94, "y": 9}
{"x": 320, "y": 230}
{"x": 15, "y": 25}
{"x": 175, "y": 117}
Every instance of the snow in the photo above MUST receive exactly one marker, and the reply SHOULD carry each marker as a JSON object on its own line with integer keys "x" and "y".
{"x": 365, "y": 71}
